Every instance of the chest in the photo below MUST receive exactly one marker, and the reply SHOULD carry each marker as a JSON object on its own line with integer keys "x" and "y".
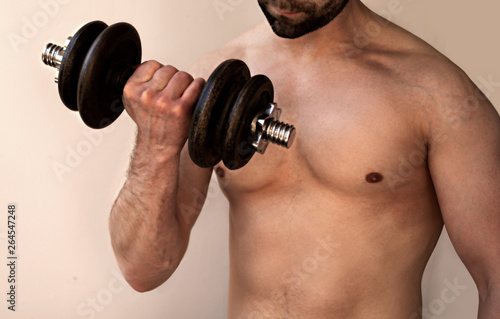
{"x": 356, "y": 133}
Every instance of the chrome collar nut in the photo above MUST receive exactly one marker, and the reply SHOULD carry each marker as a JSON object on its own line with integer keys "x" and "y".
{"x": 266, "y": 128}
{"x": 53, "y": 54}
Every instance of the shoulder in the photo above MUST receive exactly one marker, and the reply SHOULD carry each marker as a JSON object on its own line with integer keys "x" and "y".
{"x": 446, "y": 98}
{"x": 430, "y": 87}
{"x": 401, "y": 56}
{"x": 238, "y": 48}
{"x": 447, "y": 94}
{"x": 440, "y": 85}
{"x": 416, "y": 63}
{"x": 440, "y": 80}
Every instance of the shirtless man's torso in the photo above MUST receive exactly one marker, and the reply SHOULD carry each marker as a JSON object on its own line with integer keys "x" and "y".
{"x": 393, "y": 141}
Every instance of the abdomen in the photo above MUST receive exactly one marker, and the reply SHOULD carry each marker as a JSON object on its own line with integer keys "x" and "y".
{"x": 315, "y": 254}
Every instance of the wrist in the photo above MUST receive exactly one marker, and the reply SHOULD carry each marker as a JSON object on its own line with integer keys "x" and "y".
{"x": 153, "y": 157}
{"x": 157, "y": 148}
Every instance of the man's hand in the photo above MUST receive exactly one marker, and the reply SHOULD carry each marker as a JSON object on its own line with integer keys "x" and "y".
{"x": 160, "y": 100}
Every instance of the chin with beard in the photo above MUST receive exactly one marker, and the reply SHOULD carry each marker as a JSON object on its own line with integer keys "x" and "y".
{"x": 316, "y": 16}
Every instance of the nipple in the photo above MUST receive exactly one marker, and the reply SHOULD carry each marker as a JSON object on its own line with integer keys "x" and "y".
{"x": 374, "y": 177}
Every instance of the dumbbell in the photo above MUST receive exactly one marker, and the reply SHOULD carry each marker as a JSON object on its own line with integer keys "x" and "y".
{"x": 234, "y": 117}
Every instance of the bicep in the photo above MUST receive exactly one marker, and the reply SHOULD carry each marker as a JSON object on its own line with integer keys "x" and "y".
{"x": 464, "y": 163}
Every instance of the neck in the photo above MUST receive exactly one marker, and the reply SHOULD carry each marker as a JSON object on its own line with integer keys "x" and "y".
{"x": 326, "y": 40}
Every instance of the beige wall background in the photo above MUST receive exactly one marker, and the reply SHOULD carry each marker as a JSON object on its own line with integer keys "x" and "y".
{"x": 66, "y": 268}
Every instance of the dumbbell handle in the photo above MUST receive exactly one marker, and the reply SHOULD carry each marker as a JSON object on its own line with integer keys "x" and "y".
{"x": 122, "y": 78}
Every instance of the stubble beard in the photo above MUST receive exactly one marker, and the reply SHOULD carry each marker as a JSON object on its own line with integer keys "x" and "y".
{"x": 313, "y": 16}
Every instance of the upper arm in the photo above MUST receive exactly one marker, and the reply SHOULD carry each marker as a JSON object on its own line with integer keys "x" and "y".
{"x": 464, "y": 162}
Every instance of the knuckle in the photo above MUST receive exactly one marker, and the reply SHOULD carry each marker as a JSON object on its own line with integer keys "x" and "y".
{"x": 130, "y": 90}
{"x": 184, "y": 77}
{"x": 147, "y": 97}
{"x": 127, "y": 90}
{"x": 170, "y": 68}
{"x": 166, "y": 105}
{"x": 172, "y": 109}
{"x": 152, "y": 64}
{"x": 148, "y": 68}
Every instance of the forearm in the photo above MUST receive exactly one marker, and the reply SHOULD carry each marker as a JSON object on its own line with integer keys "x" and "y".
{"x": 144, "y": 228}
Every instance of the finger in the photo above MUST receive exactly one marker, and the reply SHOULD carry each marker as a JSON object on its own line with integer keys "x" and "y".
{"x": 193, "y": 91}
{"x": 162, "y": 77}
{"x": 145, "y": 71}
{"x": 178, "y": 84}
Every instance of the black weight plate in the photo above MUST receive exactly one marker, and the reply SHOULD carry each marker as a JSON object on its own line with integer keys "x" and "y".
{"x": 112, "y": 54}
{"x": 253, "y": 100}
{"x": 211, "y": 110}
{"x": 72, "y": 61}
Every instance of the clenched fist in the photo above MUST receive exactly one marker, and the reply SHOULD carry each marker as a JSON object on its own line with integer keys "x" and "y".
{"x": 160, "y": 100}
